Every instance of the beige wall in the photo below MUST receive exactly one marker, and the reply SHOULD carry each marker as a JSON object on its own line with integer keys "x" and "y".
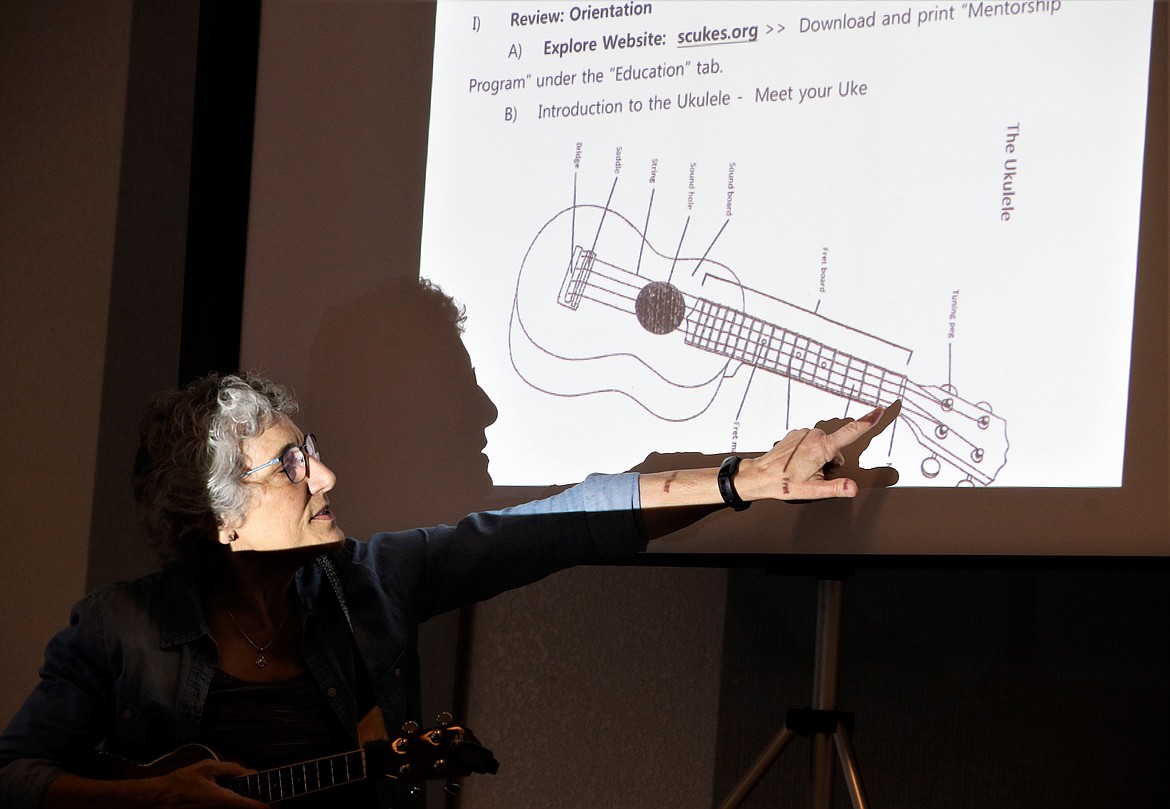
{"x": 63, "y": 69}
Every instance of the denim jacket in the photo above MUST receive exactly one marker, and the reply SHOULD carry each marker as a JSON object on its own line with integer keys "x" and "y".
{"x": 132, "y": 670}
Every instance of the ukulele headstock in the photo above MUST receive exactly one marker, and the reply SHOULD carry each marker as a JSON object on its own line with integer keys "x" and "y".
{"x": 444, "y": 751}
{"x": 968, "y": 437}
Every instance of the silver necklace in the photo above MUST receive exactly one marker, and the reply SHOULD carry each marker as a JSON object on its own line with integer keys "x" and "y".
{"x": 261, "y": 660}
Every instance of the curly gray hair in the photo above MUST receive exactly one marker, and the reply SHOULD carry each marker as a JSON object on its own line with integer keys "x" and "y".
{"x": 190, "y": 459}
{"x": 247, "y": 407}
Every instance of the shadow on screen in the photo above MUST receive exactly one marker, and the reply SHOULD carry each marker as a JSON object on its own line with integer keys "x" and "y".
{"x": 848, "y": 522}
{"x": 400, "y": 417}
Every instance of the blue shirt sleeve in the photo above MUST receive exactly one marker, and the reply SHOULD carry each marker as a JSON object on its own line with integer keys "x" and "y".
{"x": 433, "y": 570}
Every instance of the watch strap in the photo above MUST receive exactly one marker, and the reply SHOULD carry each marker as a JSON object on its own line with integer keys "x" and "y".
{"x": 726, "y": 479}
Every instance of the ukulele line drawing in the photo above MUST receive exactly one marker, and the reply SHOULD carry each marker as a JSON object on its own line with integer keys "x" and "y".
{"x": 598, "y": 309}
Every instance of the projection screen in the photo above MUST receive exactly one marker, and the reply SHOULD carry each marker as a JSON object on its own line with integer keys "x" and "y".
{"x": 680, "y": 229}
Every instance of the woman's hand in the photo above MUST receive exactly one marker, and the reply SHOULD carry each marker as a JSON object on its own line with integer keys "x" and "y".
{"x": 195, "y": 786}
{"x": 800, "y": 466}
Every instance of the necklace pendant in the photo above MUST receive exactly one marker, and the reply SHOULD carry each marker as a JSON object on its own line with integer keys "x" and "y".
{"x": 261, "y": 661}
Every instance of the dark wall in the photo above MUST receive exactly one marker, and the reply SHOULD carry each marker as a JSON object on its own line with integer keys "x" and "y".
{"x": 178, "y": 268}
{"x": 63, "y": 70}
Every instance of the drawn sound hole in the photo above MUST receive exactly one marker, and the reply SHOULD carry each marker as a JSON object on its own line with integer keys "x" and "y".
{"x": 660, "y": 307}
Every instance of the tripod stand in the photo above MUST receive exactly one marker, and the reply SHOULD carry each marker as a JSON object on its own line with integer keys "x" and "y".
{"x": 822, "y": 721}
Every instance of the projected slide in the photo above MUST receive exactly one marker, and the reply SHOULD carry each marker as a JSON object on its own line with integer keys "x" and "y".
{"x": 691, "y": 227}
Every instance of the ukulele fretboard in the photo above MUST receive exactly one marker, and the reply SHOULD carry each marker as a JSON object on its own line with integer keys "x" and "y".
{"x": 730, "y": 333}
{"x": 292, "y": 781}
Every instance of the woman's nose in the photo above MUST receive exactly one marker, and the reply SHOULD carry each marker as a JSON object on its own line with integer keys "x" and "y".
{"x": 320, "y": 477}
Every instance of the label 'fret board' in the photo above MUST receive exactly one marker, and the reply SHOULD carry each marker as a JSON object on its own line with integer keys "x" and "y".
{"x": 299, "y": 779}
{"x": 730, "y": 333}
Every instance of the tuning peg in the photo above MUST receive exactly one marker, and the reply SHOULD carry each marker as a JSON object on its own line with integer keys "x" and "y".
{"x": 444, "y": 718}
{"x": 410, "y": 727}
{"x": 452, "y": 787}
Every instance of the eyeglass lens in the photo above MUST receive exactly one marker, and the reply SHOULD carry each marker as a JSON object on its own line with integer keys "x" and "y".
{"x": 295, "y": 460}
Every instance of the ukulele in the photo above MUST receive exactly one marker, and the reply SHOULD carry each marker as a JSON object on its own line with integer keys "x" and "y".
{"x": 445, "y": 751}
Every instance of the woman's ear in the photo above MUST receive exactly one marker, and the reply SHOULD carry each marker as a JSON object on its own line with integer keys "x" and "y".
{"x": 226, "y": 533}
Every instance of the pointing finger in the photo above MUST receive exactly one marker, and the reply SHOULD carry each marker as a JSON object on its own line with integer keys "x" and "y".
{"x": 854, "y": 430}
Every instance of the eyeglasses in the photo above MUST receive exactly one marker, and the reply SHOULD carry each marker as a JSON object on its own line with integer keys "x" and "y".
{"x": 294, "y": 460}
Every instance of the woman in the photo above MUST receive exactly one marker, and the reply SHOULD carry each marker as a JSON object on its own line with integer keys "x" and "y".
{"x": 268, "y": 635}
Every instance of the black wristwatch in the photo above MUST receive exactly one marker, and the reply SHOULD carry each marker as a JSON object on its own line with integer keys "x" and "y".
{"x": 727, "y": 491}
